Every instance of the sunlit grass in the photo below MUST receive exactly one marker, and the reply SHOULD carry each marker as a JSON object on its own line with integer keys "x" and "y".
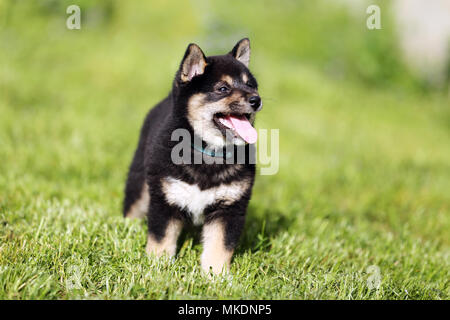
{"x": 364, "y": 175}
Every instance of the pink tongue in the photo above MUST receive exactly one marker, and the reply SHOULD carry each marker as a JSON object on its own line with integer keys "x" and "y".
{"x": 243, "y": 128}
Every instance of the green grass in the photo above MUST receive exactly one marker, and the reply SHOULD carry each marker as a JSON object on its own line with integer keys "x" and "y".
{"x": 364, "y": 174}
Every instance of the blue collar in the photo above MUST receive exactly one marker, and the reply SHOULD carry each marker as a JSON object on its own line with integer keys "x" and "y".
{"x": 213, "y": 153}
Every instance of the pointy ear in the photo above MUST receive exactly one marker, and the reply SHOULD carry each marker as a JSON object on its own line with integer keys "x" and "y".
{"x": 241, "y": 51}
{"x": 193, "y": 63}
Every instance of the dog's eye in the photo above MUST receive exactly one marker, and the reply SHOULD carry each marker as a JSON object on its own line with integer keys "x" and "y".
{"x": 223, "y": 89}
{"x": 250, "y": 84}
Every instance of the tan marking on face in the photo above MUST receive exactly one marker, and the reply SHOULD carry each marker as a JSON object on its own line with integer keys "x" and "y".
{"x": 252, "y": 118}
{"x": 140, "y": 207}
{"x": 236, "y": 102}
{"x": 215, "y": 256}
{"x": 244, "y": 78}
{"x": 168, "y": 244}
{"x": 200, "y": 116}
{"x": 227, "y": 79}
{"x": 236, "y": 96}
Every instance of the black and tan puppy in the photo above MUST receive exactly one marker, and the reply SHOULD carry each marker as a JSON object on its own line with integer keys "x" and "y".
{"x": 214, "y": 99}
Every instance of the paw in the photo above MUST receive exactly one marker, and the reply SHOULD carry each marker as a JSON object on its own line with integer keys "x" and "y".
{"x": 215, "y": 267}
{"x": 156, "y": 249}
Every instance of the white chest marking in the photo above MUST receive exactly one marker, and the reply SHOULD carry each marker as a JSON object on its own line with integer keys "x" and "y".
{"x": 191, "y": 198}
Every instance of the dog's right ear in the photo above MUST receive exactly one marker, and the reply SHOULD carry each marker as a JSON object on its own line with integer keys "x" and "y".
{"x": 193, "y": 63}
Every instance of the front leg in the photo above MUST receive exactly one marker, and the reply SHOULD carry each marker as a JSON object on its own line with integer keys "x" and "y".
{"x": 220, "y": 237}
{"x": 167, "y": 244}
{"x": 164, "y": 227}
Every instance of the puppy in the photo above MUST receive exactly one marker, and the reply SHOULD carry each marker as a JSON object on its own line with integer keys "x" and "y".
{"x": 213, "y": 101}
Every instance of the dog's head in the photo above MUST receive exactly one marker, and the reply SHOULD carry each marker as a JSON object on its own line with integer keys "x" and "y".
{"x": 219, "y": 95}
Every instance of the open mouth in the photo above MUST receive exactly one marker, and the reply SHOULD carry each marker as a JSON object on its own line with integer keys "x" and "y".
{"x": 238, "y": 124}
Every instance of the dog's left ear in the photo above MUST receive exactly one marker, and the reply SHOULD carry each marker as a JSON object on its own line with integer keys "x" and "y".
{"x": 193, "y": 63}
{"x": 241, "y": 51}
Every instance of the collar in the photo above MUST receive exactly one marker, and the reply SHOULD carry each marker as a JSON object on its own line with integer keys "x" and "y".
{"x": 213, "y": 153}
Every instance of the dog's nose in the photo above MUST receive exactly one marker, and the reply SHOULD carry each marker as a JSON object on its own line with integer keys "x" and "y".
{"x": 255, "y": 102}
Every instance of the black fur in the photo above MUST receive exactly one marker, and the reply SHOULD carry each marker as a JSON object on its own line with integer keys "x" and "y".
{"x": 152, "y": 159}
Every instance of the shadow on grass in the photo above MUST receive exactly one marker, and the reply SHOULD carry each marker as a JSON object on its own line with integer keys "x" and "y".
{"x": 259, "y": 228}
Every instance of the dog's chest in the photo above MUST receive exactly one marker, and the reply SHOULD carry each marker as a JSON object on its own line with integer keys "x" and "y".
{"x": 191, "y": 198}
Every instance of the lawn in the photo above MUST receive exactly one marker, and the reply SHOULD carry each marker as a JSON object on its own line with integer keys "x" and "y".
{"x": 364, "y": 177}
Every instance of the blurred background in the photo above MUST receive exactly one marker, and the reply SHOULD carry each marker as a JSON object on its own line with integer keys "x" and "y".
{"x": 364, "y": 115}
